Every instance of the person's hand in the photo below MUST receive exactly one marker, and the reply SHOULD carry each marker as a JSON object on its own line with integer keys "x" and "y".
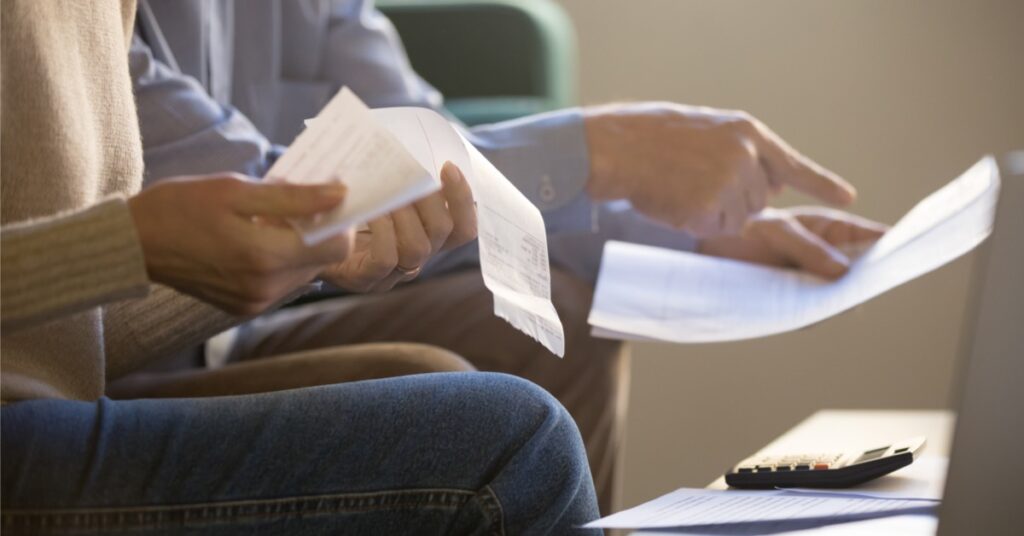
{"x": 221, "y": 238}
{"x": 699, "y": 169}
{"x": 807, "y": 238}
{"x": 394, "y": 248}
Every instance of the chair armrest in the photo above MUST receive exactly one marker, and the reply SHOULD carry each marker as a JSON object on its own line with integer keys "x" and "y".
{"x": 492, "y": 59}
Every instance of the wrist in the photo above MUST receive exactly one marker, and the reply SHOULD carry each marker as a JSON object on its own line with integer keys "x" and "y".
{"x": 603, "y": 133}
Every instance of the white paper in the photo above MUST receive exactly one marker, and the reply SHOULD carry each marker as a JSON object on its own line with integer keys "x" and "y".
{"x": 899, "y": 525}
{"x": 389, "y": 158}
{"x": 345, "y": 142}
{"x": 705, "y": 508}
{"x": 512, "y": 236}
{"x": 652, "y": 293}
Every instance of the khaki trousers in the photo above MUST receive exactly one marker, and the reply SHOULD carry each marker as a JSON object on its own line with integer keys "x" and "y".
{"x": 445, "y": 323}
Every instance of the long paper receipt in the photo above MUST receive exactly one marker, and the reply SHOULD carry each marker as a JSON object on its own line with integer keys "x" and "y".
{"x": 652, "y": 293}
{"x": 718, "y": 509}
{"x": 390, "y": 157}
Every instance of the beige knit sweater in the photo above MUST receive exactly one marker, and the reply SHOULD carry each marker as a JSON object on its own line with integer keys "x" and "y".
{"x": 76, "y": 306}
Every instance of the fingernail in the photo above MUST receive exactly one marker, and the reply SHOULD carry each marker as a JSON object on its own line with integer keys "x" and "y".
{"x": 451, "y": 172}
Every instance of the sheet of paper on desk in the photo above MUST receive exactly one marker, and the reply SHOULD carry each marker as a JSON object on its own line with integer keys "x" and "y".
{"x": 652, "y": 293}
{"x": 345, "y": 142}
{"x": 923, "y": 479}
{"x": 714, "y": 508}
{"x": 512, "y": 238}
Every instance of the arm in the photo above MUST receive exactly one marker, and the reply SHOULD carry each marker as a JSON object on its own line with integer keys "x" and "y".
{"x": 184, "y": 131}
{"x": 65, "y": 264}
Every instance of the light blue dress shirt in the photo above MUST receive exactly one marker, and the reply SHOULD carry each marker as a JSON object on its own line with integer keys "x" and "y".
{"x": 223, "y": 86}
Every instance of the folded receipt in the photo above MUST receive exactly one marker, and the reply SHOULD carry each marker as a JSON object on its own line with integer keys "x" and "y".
{"x": 391, "y": 157}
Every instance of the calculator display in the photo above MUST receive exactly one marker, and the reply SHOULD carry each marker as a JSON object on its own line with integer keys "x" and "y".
{"x": 872, "y": 455}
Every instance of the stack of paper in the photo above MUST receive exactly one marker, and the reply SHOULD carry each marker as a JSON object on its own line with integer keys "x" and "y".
{"x": 651, "y": 293}
{"x": 392, "y": 157}
{"x": 705, "y": 511}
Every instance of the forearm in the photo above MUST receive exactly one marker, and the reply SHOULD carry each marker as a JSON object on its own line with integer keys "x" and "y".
{"x": 66, "y": 264}
{"x": 139, "y": 332}
{"x": 185, "y": 131}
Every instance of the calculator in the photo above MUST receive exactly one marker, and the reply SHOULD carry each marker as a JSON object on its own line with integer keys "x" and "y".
{"x": 823, "y": 469}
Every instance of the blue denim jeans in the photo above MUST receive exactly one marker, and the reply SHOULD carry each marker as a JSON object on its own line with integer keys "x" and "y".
{"x": 455, "y": 453}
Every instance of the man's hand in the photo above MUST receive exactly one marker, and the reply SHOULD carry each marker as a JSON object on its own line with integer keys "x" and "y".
{"x": 808, "y": 238}
{"x": 699, "y": 169}
{"x": 395, "y": 247}
{"x": 220, "y": 238}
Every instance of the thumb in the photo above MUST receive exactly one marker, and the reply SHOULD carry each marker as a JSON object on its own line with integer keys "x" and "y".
{"x": 283, "y": 200}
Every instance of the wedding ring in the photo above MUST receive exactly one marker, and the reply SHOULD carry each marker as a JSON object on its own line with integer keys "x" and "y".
{"x": 408, "y": 272}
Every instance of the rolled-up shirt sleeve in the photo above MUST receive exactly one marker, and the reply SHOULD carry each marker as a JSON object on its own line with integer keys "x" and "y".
{"x": 185, "y": 131}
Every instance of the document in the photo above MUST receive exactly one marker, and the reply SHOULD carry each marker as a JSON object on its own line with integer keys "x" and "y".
{"x": 344, "y": 142}
{"x": 392, "y": 157}
{"x": 512, "y": 237}
{"x": 652, "y": 293}
{"x": 688, "y": 507}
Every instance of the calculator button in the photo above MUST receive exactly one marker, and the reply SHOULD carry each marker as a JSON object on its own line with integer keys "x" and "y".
{"x": 802, "y": 467}
{"x": 745, "y": 470}
{"x": 820, "y": 466}
{"x": 785, "y": 467}
{"x": 764, "y": 468}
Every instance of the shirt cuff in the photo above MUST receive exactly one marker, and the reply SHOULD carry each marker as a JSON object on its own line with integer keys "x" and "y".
{"x": 547, "y": 158}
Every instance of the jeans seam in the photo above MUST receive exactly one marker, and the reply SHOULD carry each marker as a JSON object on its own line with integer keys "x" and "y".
{"x": 490, "y": 503}
{"x": 240, "y": 510}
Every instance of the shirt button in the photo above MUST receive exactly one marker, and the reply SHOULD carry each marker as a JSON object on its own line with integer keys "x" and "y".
{"x": 547, "y": 190}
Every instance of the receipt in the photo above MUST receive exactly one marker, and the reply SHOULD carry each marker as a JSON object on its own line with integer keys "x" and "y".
{"x": 512, "y": 237}
{"x": 392, "y": 157}
{"x": 346, "y": 143}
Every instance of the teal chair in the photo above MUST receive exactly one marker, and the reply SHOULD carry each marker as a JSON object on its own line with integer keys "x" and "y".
{"x": 493, "y": 59}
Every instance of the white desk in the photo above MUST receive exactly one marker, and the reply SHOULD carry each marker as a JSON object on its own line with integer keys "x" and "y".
{"x": 836, "y": 429}
{"x": 830, "y": 430}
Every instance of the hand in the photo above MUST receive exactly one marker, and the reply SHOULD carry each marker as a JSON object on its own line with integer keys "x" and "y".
{"x": 219, "y": 238}
{"x": 808, "y": 238}
{"x": 699, "y": 169}
{"x": 395, "y": 247}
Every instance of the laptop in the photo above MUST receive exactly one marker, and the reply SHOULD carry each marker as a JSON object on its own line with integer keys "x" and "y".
{"x": 985, "y": 485}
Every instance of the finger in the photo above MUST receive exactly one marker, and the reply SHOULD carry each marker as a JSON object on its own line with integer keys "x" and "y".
{"x": 333, "y": 249}
{"x": 284, "y": 200}
{"x": 381, "y": 257}
{"x": 802, "y": 248}
{"x": 413, "y": 245}
{"x": 437, "y": 222}
{"x": 461, "y": 207}
{"x": 785, "y": 166}
{"x": 840, "y": 228}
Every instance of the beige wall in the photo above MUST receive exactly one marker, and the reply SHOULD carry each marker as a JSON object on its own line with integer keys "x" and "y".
{"x": 899, "y": 96}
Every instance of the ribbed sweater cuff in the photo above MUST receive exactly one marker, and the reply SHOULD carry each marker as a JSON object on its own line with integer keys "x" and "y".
{"x": 69, "y": 263}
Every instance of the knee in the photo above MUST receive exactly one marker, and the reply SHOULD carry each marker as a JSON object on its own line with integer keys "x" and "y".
{"x": 535, "y": 423}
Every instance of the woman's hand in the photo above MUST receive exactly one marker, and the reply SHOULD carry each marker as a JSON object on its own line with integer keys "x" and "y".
{"x": 221, "y": 238}
{"x": 394, "y": 248}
